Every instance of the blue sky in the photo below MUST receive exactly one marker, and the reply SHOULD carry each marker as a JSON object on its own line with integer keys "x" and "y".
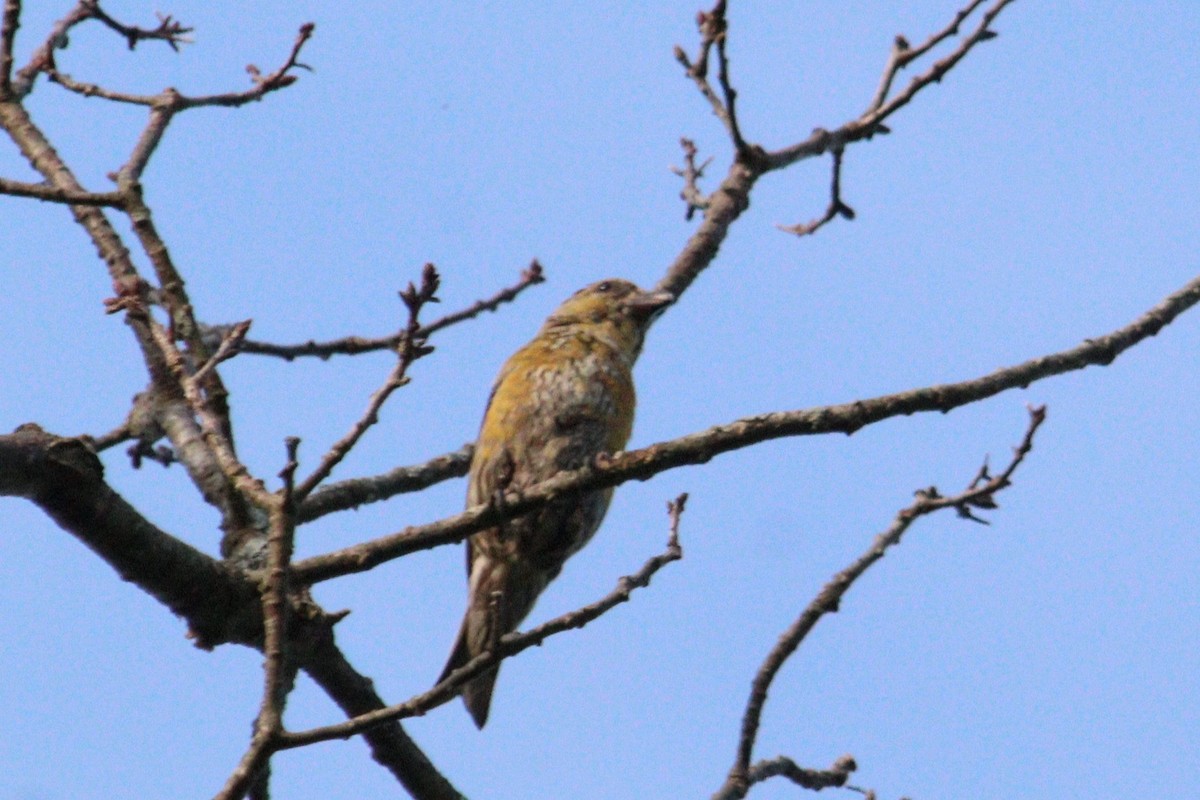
{"x": 1045, "y": 192}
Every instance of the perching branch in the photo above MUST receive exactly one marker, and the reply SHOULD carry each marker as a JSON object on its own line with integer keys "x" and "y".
{"x": 979, "y": 494}
{"x": 701, "y": 447}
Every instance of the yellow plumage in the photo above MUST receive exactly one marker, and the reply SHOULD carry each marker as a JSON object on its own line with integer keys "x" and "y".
{"x": 558, "y": 402}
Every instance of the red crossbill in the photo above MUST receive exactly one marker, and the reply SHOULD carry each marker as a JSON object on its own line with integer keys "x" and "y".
{"x": 558, "y": 402}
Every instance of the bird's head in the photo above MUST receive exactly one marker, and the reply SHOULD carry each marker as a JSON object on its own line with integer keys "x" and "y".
{"x": 613, "y": 310}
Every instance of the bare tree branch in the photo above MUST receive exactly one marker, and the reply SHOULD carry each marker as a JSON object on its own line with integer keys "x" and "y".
{"x": 867, "y": 125}
{"x": 508, "y": 646}
{"x": 65, "y": 479}
{"x": 390, "y": 746}
{"x": 9, "y": 22}
{"x": 251, "y": 773}
{"x": 732, "y": 197}
{"x": 131, "y": 297}
{"x": 353, "y": 345}
{"x": 713, "y": 29}
{"x": 701, "y": 447}
{"x": 691, "y": 174}
{"x": 357, "y": 492}
{"x": 904, "y": 54}
{"x": 173, "y": 101}
{"x": 784, "y": 767}
{"x": 40, "y": 191}
{"x": 836, "y": 208}
{"x": 269, "y": 608}
{"x": 411, "y": 348}
{"x": 168, "y": 30}
{"x": 829, "y": 598}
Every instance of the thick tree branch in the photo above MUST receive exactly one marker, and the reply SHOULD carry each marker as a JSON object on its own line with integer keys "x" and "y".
{"x": 65, "y": 479}
{"x": 390, "y": 746}
{"x": 701, "y": 447}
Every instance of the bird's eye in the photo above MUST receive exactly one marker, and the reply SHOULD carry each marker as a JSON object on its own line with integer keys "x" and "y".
{"x": 604, "y": 287}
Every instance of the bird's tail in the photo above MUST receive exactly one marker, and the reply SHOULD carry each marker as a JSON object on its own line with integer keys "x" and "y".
{"x": 477, "y": 692}
{"x": 501, "y": 594}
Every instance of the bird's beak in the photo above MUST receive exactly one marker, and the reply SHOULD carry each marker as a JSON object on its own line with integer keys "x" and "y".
{"x": 645, "y": 306}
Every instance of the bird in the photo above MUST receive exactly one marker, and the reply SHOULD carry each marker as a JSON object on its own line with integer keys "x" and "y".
{"x": 559, "y": 402}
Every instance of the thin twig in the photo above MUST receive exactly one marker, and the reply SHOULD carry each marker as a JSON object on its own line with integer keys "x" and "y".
{"x": 903, "y": 53}
{"x": 278, "y": 669}
{"x": 230, "y": 345}
{"x": 51, "y": 194}
{"x": 9, "y": 22}
{"x": 871, "y": 121}
{"x": 836, "y": 208}
{"x": 782, "y": 766}
{"x": 829, "y": 598}
{"x": 691, "y": 173}
{"x": 726, "y": 85}
{"x": 530, "y": 276}
{"x": 355, "y": 492}
{"x": 43, "y": 57}
{"x": 353, "y": 345}
{"x": 263, "y": 84}
{"x": 411, "y": 348}
{"x": 713, "y": 31}
{"x": 168, "y": 30}
{"x": 508, "y": 646}
{"x": 732, "y": 197}
{"x": 42, "y": 60}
